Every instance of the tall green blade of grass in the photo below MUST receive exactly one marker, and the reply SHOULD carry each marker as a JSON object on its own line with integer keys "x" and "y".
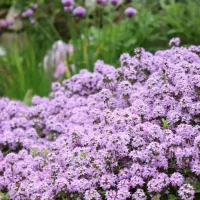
{"x": 20, "y": 72}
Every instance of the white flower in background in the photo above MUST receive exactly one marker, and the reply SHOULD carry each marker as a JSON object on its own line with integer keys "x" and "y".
{"x": 73, "y": 68}
{"x": 90, "y": 3}
{"x": 2, "y": 51}
{"x": 55, "y": 60}
{"x": 12, "y": 16}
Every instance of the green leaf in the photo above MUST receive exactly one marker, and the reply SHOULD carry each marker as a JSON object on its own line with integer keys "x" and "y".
{"x": 4, "y": 196}
{"x": 28, "y": 97}
{"x": 51, "y": 136}
{"x": 45, "y": 152}
{"x": 196, "y": 185}
{"x": 165, "y": 123}
{"x": 172, "y": 197}
{"x": 83, "y": 155}
{"x": 101, "y": 192}
{"x": 35, "y": 151}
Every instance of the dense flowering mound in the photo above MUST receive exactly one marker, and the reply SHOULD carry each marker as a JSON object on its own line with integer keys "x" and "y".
{"x": 115, "y": 134}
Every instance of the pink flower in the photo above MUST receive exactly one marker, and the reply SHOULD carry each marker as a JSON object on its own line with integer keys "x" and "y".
{"x": 130, "y": 12}
{"x": 79, "y": 11}
{"x": 60, "y": 70}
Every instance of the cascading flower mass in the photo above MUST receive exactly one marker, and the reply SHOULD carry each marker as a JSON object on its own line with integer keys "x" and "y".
{"x": 116, "y": 134}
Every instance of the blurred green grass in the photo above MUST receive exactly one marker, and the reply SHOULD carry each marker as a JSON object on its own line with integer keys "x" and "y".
{"x": 20, "y": 71}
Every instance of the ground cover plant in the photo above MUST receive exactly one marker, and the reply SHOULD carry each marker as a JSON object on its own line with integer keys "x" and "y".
{"x": 126, "y": 133}
{"x": 104, "y": 32}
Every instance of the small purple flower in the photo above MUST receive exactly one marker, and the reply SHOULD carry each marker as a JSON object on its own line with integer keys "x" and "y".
{"x": 186, "y": 192}
{"x": 114, "y": 2}
{"x": 35, "y": 6}
{"x": 10, "y": 21}
{"x": 79, "y": 11}
{"x": 4, "y": 23}
{"x": 68, "y": 3}
{"x": 92, "y": 194}
{"x": 130, "y": 12}
{"x": 24, "y": 14}
{"x": 32, "y": 21}
{"x": 175, "y": 42}
{"x": 68, "y": 8}
{"x": 60, "y": 70}
{"x": 111, "y": 194}
{"x": 16, "y": 16}
{"x": 136, "y": 181}
{"x": 102, "y": 2}
{"x": 176, "y": 179}
{"x": 27, "y": 13}
{"x": 196, "y": 168}
{"x": 139, "y": 195}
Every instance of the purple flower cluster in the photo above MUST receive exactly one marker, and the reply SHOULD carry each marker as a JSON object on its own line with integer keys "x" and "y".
{"x": 174, "y": 42}
{"x": 130, "y": 12}
{"x": 29, "y": 13}
{"x": 4, "y": 23}
{"x": 115, "y": 134}
{"x": 80, "y": 11}
{"x": 68, "y": 6}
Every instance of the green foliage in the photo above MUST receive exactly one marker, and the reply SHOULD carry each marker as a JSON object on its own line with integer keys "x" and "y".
{"x": 165, "y": 123}
{"x": 28, "y": 97}
{"x": 20, "y": 72}
{"x": 182, "y": 20}
{"x": 35, "y": 152}
{"x": 196, "y": 185}
{"x": 4, "y": 196}
{"x": 45, "y": 152}
{"x": 172, "y": 197}
{"x": 83, "y": 155}
{"x": 111, "y": 41}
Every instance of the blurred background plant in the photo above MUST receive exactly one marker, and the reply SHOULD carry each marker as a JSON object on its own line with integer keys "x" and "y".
{"x": 42, "y": 41}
